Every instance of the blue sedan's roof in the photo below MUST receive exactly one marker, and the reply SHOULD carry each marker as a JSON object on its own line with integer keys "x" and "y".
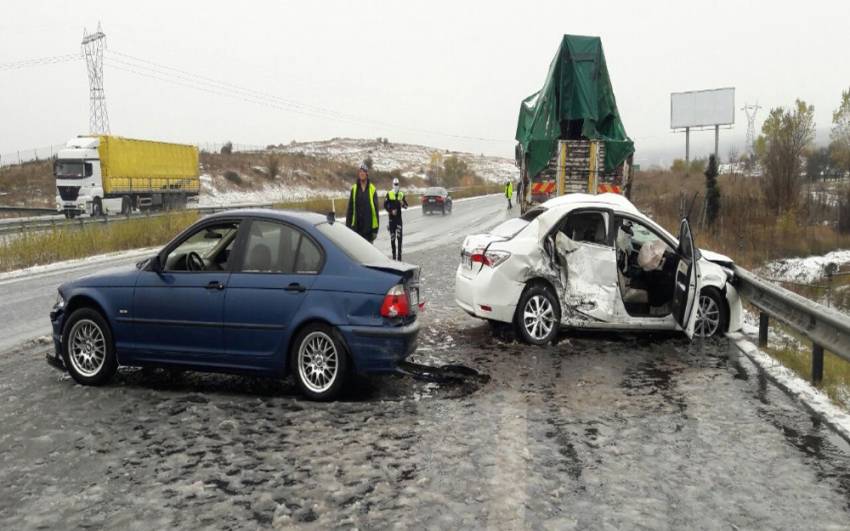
{"x": 292, "y": 216}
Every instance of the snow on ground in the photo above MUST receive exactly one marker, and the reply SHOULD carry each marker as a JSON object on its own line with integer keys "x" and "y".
{"x": 796, "y": 386}
{"x": 410, "y": 159}
{"x": 210, "y": 196}
{"x": 55, "y": 267}
{"x": 803, "y": 269}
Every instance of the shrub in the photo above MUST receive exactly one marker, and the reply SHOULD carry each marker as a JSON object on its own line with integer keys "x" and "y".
{"x": 233, "y": 177}
{"x": 227, "y": 148}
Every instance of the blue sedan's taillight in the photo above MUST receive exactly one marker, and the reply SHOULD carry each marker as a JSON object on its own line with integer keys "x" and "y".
{"x": 396, "y": 303}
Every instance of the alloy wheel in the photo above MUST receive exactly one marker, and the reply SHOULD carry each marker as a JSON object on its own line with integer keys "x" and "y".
{"x": 318, "y": 362}
{"x": 538, "y": 317}
{"x": 708, "y": 316}
{"x": 87, "y": 347}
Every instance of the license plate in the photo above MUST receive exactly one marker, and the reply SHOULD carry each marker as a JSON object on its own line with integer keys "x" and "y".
{"x": 466, "y": 259}
{"x": 432, "y": 200}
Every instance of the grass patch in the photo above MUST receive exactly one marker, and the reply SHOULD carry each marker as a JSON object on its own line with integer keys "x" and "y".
{"x": 69, "y": 242}
{"x": 836, "y": 371}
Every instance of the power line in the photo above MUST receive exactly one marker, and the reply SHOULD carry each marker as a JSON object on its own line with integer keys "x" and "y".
{"x": 40, "y": 61}
{"x": 151, "y": 69}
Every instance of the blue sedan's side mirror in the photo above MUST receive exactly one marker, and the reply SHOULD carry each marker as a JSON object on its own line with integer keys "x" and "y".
{"x": 154, "y": 264}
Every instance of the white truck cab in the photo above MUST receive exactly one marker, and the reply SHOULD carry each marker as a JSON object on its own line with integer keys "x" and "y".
{"x": 79, "y": 183}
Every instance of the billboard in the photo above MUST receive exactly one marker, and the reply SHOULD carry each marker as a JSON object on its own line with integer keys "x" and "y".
{"x": 702, "y": 108}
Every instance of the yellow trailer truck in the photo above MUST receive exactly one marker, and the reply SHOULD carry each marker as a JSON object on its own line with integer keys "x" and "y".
{"x": 99, "y": 175}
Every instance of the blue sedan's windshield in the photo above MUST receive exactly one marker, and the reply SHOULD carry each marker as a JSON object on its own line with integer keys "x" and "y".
{"x": 352, "y": 244}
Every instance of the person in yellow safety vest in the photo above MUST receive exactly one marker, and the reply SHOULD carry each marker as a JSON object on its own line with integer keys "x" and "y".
{"x": 394, "y": 202}
{"x": 362, "y": 213}
{"x": 509, "y": 193}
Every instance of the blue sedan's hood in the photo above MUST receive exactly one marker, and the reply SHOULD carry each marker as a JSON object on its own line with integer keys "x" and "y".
{"x": 115, "y": 277}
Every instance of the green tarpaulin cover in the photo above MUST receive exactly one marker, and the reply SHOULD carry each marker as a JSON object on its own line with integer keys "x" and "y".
{"x": 577, "y": 87}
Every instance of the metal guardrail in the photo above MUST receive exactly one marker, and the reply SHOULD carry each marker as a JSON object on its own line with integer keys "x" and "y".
{"x": 32, "y": 225}
{"x": 825, "y": 327}
{"x": 27, "y": 210}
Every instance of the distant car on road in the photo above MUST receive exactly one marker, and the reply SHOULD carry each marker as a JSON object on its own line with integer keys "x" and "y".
{"x": 594, "y": 262}
{"x": 436, "y": 199}
{"x": 252, "y": 291}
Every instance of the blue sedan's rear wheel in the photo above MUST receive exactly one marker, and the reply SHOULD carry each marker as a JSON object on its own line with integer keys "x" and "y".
{"x": 320, "y": 362}
{"x": 87, "y": 347}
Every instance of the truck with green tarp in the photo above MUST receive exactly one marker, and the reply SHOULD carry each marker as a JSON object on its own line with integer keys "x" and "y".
{"x": 570, "y": 137}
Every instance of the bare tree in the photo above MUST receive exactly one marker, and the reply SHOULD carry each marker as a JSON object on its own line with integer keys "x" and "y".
{"x": 786, "y": 136}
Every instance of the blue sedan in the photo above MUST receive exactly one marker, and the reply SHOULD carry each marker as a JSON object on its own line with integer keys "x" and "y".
{"x": 248, "y": 291}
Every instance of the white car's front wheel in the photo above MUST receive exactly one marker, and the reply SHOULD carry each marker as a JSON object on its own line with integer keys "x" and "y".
{"x": 712, "y": 315}
{"x": 538, "y": 315}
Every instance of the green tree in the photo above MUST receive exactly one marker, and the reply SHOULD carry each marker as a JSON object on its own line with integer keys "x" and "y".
{"x": 454, "y": 169}
{"x": 819, "y": 164}
{"x": 227, "y": 148}
{"x": 697, "y": 166}
{"x": 712, "y": 192}
{"x": 840, "y": 135}
{"x": 785, "y": 139}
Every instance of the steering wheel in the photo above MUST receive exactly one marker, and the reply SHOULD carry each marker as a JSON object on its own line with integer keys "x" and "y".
{"x": 194, "y": 262}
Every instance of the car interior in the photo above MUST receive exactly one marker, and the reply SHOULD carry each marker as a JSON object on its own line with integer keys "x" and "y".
{"x": 646, "y": 264}
{"x": 646, "y": 267}
{"x": 206, "y": 250}
{"x": 277, "y": 248}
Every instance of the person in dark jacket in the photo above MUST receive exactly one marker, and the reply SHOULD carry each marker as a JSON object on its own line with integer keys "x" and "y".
{"x": 393, "y": 203}
{"x": 362, "y": 213}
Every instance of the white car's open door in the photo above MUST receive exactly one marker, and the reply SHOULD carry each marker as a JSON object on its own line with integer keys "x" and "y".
{"x": 687, "y": 281}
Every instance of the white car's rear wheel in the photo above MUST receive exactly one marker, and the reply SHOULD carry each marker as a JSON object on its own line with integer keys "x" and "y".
{"x": 538, "y": 315}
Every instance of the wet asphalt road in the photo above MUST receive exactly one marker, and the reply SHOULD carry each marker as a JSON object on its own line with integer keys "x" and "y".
{"x": 597, "y": 432}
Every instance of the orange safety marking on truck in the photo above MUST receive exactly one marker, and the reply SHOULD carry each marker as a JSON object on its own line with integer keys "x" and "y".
{"x": 605, "y": 188}
{"x": 543, "y": 188}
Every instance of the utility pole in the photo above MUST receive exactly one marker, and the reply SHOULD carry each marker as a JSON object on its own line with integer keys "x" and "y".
{"x": 93, "y": 46}
{"x": 751, "y": 111}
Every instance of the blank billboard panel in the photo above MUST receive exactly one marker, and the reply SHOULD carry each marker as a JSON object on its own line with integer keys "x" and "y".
{"x": 702, "y": 108}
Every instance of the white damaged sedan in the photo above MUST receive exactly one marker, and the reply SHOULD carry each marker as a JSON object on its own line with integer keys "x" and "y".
{"x": 594, "y": 262}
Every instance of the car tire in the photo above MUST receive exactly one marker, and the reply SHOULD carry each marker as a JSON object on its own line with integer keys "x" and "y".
{"x": 87, "y": 347}
{"x": 538, "y": 315}
{"x": 96, "y": 208}
{"x": 126, "y": 206}
{"x": 712, "y": 314}
{"x": 317, "y": 350}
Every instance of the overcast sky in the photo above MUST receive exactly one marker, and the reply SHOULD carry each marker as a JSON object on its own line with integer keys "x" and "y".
{"x": 447, "y": 74}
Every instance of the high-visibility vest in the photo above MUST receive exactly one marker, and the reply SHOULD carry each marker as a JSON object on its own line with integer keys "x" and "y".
{"x": 354, "y": 190}
{"x": 509, "y": 190}
{"x": 392, "y": 197}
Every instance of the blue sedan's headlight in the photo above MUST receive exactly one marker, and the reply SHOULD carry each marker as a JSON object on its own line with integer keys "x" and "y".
{"x": 60, "y": 301}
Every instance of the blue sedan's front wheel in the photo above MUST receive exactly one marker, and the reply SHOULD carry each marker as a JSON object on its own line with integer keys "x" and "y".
{"x": 320, "y": 362}
{"x": 87, "y": 347}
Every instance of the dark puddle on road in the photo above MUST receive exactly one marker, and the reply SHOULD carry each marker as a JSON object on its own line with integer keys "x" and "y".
{"x": 413, "y": 382}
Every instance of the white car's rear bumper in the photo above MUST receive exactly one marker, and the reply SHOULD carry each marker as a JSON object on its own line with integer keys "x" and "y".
{"x": 487, "y": 294}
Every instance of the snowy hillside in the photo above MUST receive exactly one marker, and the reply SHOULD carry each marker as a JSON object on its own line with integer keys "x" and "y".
{"x": 412, "y": 160}
{"x": 324, "y": 169}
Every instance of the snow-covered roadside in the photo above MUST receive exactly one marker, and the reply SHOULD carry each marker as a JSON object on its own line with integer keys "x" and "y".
{"x": 58, "y": 267}
{"x": 803, "y": 269}
{"x": 795, "y": 386}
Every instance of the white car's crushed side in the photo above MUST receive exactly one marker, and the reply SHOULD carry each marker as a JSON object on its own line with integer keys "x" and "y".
{"x": 497, "y": 268}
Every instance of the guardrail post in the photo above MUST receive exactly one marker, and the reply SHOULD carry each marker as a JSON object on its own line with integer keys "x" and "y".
{"x": 817, "y": 363}
{"x": 764, "y": 321}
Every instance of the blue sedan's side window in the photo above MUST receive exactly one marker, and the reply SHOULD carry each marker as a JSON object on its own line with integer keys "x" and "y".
{"x": 277, "y": 248}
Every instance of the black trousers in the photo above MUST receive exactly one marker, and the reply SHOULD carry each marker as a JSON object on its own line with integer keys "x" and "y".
{"x": 395, "y": 239}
